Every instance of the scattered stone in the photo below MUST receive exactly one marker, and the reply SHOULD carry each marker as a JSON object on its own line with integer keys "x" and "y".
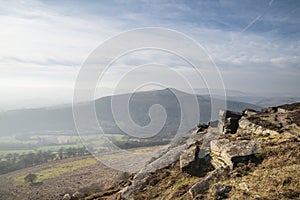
{"x": 221, "y": 191}
{"x": 257, "y": 196}
{"x": 200, "y": 187}
{"x": 249, "y": 112}
{"x": 229, "y": 153}
{"x": 78, "y": 195}
{"x": 67, "y": 197}
{"x": 272, "y": 176}
{"x": 244, "y": 186}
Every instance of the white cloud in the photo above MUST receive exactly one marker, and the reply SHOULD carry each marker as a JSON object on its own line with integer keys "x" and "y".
{"x": 42, "y": 47}
{"x": 41, "y": 52}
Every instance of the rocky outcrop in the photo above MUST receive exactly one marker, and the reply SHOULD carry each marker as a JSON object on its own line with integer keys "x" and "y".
{"x": 206, "y": 156}
{"x": 164, "y": 159}
{"x": 225, "y": 153}
{"x": 199, "y": 153}
{"x": 185, "y": 149}
{"x": 229, "y": 153}
{"x": 228, "y": 121}
{"x": 269, "y": 110}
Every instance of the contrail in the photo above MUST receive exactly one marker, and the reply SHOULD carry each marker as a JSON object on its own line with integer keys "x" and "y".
{"x": 257, "y": 18}
{"x": 252, "y": 22}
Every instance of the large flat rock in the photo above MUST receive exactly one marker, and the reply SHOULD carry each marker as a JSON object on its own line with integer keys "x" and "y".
{"x": 229, "y": 153}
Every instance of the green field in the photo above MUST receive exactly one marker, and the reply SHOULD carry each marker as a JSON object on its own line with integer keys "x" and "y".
{"x": 34, "y": 143}
{"x": 4, "y": 152}
{"x": 13, "y": 139}
{"x": 10, "y": 144}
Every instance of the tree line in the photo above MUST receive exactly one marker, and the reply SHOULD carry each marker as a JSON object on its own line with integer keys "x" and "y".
{"x": 14, "y": 161}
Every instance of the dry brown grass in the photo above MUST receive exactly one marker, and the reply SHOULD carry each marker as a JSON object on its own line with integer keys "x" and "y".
{"x": 277, "y": 177}
{"x": 169, "y": 183}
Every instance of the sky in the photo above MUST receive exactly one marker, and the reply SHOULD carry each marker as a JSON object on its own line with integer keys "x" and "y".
{"x": 254, "y": 44}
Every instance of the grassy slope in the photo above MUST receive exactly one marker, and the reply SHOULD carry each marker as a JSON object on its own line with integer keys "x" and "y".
{"x": 58, "y": 170}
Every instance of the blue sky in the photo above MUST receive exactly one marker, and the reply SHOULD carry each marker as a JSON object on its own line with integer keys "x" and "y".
{"x": 255, "y": 44}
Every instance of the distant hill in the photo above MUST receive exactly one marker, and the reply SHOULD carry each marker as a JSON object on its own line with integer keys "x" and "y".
{"x": 59, "y": 119}
{"x": 263, "y": 100}
{"x": 276, "y": 101}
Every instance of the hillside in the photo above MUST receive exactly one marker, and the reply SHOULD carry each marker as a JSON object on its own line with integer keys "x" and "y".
{"x": 54, "y": 179}
{"x": 59, "y": 119}
{"x": 250, "y": 155}
{"x": 77, "y": 176}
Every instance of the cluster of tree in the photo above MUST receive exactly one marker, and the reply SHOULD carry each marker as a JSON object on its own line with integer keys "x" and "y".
{"x": 11, "y": 162}
{"x": 140, "y": 143}
{"x": 30, "y": 178}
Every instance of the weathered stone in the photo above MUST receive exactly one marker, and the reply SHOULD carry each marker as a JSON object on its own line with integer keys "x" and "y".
{"x": 77, "y": 195}
{"x": 170, "y": 156}
{"x": 245, "y": 126}
{"x": 228, "y": 121}
{"x": 202, "y": 127}
{"x": 228, "y": 113}
{"x": 282, "y": 111}
{"x": 249, "y": 112}
{"x": 195, "y": 161}
{"x": 269, "y": 110}
{"x": 195, "y": 138}
{"x": 243, "y": 186}
{"x": 188, "y": 157}
{"x": 228, "y": 153}
{"x": 244, "y": 123}
{"x": 231, "y": 125}
{"x": 257, "y": 196}
{"x": 203, "y": 186}
{"x": 67, "y": 197}
{"x": 213, "y": 124}
{"x": 221, "y": 191}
